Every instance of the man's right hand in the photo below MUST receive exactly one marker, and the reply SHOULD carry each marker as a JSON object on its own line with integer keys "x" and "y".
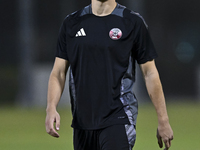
{"x": 51, "y": 117}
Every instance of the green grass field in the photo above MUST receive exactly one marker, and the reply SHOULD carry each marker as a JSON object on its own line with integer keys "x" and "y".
{"x": 24, "y": 129}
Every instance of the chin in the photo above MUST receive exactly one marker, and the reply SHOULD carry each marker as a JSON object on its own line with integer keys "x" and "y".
{"x": 102, "y": 0}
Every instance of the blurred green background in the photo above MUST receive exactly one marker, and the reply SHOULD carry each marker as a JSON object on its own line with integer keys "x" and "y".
{"x": 24, "y": 129}
{"x": 28, "y": 37}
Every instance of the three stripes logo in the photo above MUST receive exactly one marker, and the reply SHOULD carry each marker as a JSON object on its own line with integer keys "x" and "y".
{"x": 81, "y": 32}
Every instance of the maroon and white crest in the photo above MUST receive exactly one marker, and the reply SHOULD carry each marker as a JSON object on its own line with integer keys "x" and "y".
{"x": 115, "y": 34}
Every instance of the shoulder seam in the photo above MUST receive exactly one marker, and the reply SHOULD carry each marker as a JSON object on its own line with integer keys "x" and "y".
{"x": 133, "y": 13}
{"x": 137, "y": 14}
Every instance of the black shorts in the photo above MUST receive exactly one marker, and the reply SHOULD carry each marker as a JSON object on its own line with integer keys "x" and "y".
{"x": 116, "y": 137}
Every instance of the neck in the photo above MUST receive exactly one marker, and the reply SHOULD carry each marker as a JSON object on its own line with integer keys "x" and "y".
{"x": 103, "y": 7}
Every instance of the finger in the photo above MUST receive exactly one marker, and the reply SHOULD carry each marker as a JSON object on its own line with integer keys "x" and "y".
{"x": 167, "y": 145}
{"x": 53, "y": 133}
{"x": 172, "y": 137}
{"x": 57, "y": 123}
{"x": 170, "y": 142}
{"x": 160, "y": 143}
{"x": 166, "y": 148}
{"x": 48, "y": 125}
{"x": 50, "y": 129}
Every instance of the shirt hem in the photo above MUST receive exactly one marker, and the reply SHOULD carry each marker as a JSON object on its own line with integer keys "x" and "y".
{"x": 100, "y": 127}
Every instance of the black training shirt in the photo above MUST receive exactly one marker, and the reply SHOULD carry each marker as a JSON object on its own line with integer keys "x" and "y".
{"x": 102, "y": 52}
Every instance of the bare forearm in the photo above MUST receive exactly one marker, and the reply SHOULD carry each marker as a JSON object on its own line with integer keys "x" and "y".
{"x": 154, "y": 88}
{"x": 55, "y": 89}
{"x": 155, "y": 91}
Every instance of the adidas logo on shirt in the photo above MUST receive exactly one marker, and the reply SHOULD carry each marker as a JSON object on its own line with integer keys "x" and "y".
{"x": 80, "y": 33}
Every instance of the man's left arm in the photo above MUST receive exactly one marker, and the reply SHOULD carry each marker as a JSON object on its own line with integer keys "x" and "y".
{"x": 155, "y": 91}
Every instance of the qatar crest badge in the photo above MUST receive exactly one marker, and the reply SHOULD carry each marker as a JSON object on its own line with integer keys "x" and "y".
{"x": 115, "y": 34}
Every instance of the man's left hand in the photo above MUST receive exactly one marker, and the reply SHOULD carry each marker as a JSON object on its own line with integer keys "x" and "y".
{"x": 164, "y": 134}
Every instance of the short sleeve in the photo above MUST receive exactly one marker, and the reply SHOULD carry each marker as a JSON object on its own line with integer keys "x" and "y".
{"x": 143, "y": 49}
{"x": 61, "y": 51}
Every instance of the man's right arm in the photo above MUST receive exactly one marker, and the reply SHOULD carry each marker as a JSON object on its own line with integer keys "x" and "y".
{"x": 55, "y": 89}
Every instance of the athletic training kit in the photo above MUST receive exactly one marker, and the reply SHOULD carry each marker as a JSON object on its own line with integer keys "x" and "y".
{"x": 102, "y": 51}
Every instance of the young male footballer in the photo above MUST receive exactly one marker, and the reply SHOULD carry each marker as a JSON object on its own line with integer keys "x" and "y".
{"x": 101, "y": 44}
